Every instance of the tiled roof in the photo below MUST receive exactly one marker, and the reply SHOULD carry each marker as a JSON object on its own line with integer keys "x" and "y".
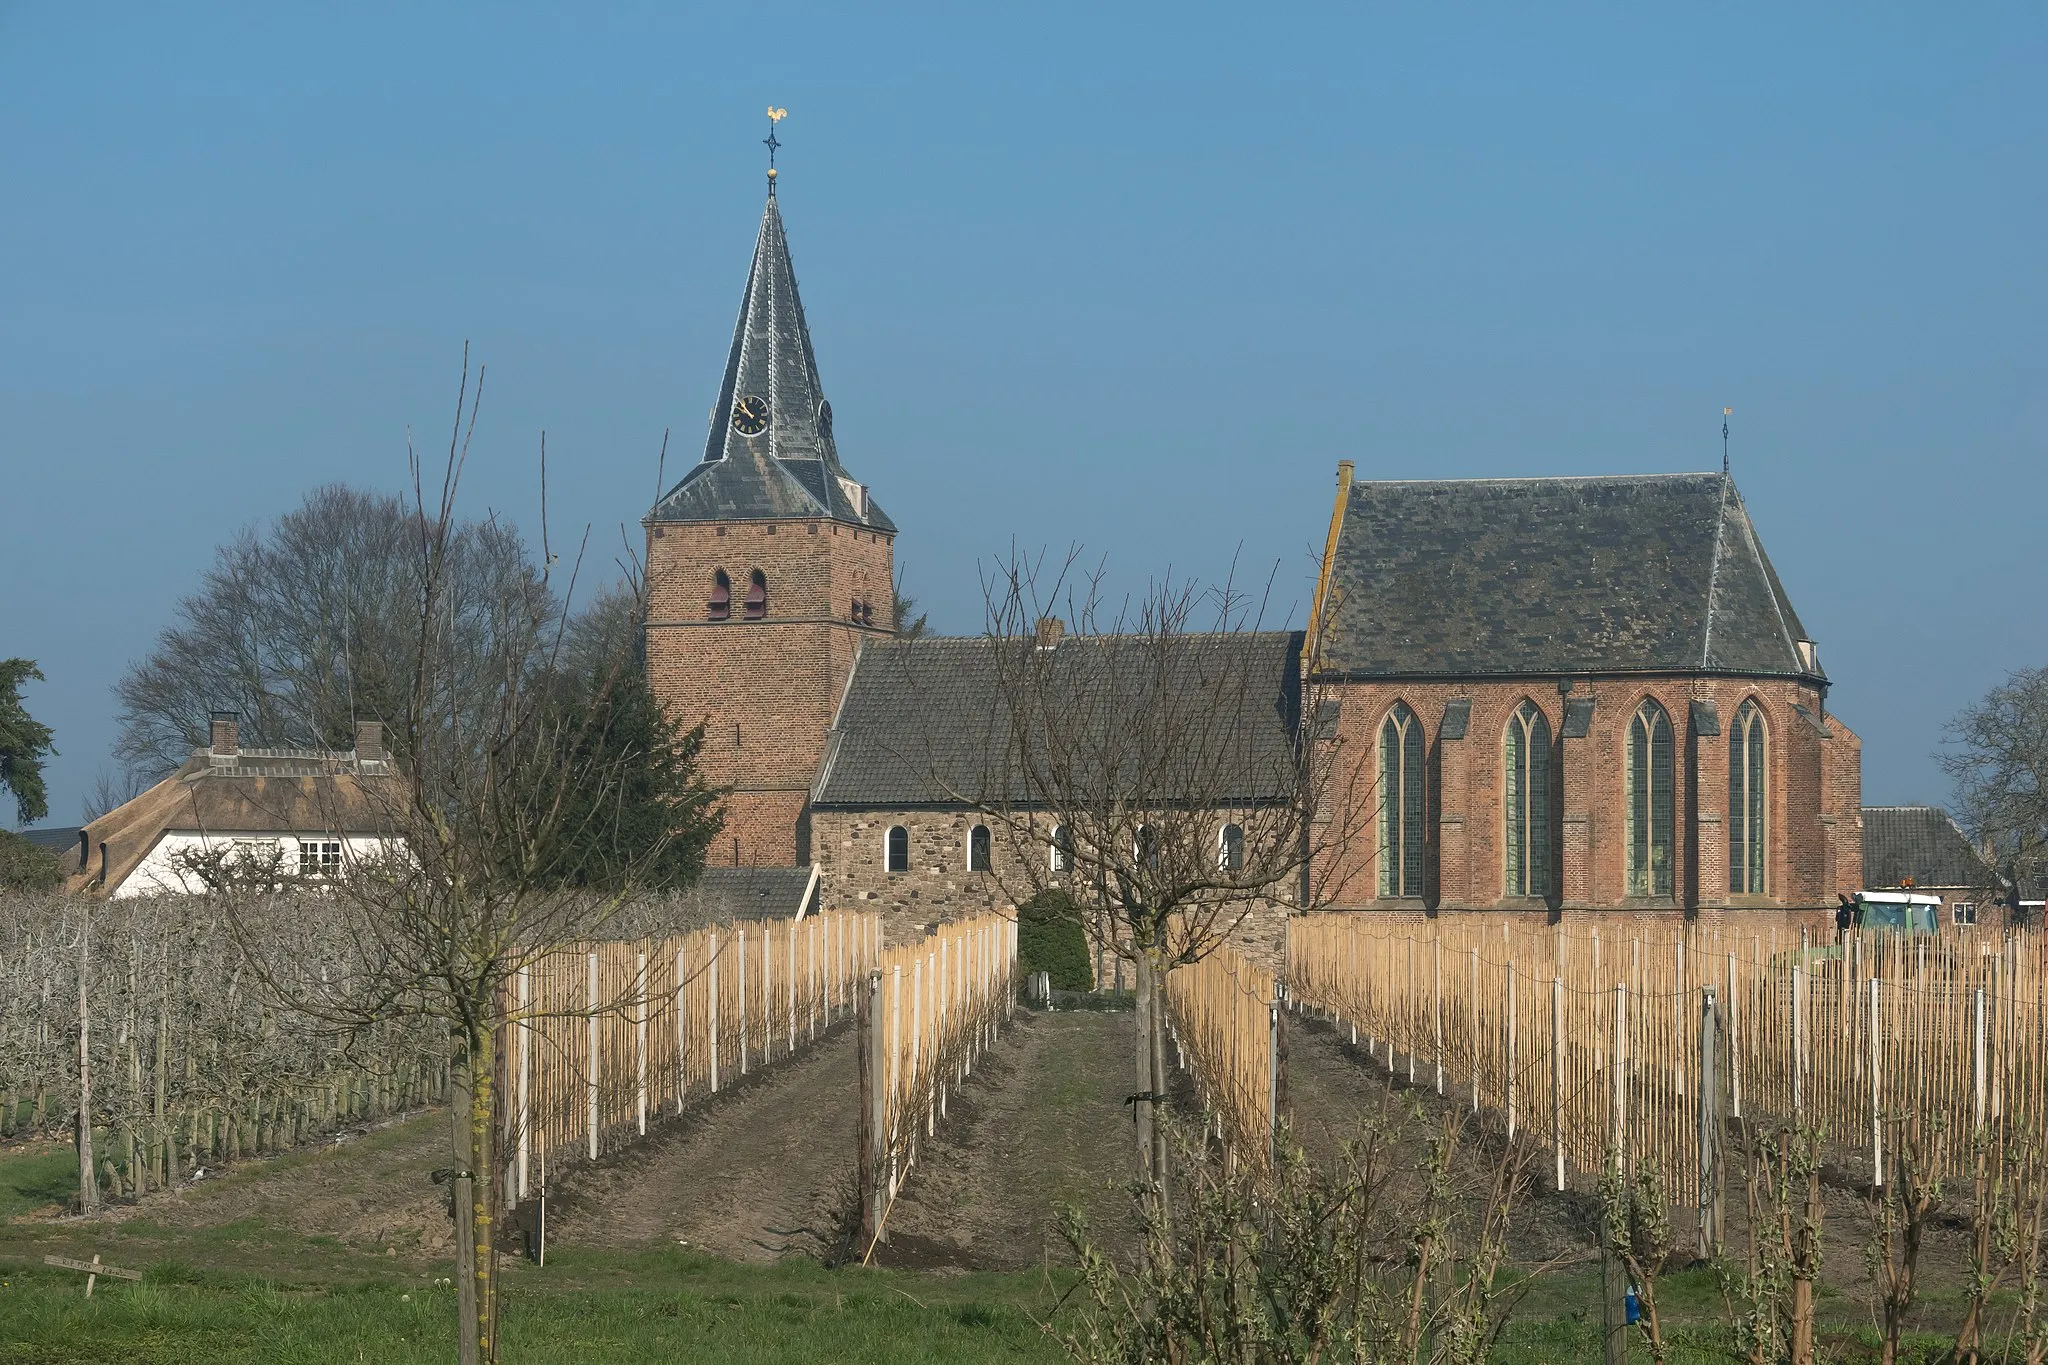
{"x": 931, "y": 721}
{"x": 1920, "y": 842}
{"x": 55, "y": 838}
{"x": 1480, "y": 577}
{"x": 790, "y": 466}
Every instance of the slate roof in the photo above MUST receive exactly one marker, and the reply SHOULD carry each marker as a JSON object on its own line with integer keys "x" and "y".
{"x": 1920, "y": 842}
{"x": 1639, "y": 573}
{"x": 927, "y": 722}
{"x": 730, "y": 893}
{"x": 791, "y": 467}
{"x": 55, "y": 838}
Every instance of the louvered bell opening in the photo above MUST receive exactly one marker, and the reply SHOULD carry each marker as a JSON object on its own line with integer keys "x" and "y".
{"x": 757, "y": 597}
{"x": 719, "y": 607}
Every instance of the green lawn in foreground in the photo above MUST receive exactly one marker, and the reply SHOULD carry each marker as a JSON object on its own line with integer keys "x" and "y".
{"x": 598, "y": 1308}
{"x": 34, "y": 1178}
{"x": 678, "y": 1306}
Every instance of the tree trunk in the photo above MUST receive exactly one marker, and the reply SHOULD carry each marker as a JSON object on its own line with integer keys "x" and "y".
{"x": 1162, "y": 1185}
{"x": 475, "y": 1245}
{"x": 88, "y": 1182}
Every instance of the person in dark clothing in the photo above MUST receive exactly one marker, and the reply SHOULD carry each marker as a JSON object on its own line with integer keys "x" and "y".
{"x": 1845, "y": 914}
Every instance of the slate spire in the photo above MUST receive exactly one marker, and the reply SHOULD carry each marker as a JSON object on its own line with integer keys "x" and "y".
{"x": 770, "y": 452}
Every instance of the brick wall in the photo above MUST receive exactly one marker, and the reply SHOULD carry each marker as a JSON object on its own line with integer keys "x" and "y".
{"x": 1813, "y": 785}
{"x": 764, "y": 690}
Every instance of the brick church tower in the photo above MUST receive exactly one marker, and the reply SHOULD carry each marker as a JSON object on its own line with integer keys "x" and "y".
{"x": 767, "y": 567}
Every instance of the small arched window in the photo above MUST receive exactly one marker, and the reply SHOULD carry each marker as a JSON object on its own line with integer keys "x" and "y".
{"x": 977, "y": 849}
{"x": 719, "y": 607}
{"x": 1746, "y": 787}
{"x": 896, "y": 850}
{"x": 1145, "y": 847}
{"x": 1526, "y": 799}
{"x": 1230, "y": 848}
{"x": 1401, "y": 808}
{"x": 853, "y": 611}
{"x": 1650, "y": 789}
{"x": 1062, "y": 849}
{"x": 757, "y": 595}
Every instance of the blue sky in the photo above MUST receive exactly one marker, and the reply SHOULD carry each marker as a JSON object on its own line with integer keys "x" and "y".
{"x": 1135, "y": 277}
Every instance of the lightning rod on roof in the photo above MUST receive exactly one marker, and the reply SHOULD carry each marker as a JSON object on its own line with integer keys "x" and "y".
{"x": 1726, "y": 413}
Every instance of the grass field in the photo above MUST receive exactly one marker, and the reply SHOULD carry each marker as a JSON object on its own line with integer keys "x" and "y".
{"x": 588, "y": 1309}
{"x": 668, "y": 1306}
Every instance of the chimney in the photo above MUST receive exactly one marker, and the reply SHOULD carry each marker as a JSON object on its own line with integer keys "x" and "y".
{"x": 1051, "y": 630}
{"x": 227, "y": 735}
{"x": 369, "y": 739}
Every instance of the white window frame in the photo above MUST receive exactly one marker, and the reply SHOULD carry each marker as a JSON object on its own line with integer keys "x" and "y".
{"x": 320, "y": 857}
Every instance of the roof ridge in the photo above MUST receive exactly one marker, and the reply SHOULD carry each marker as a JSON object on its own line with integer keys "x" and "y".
{"x": 1756, "y": 553}
{"x": 1714, "y": 574}
{"x": 1545, "y": 478}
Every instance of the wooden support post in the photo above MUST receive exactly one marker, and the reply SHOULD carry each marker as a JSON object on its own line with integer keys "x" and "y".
{"x": 711, "y": 995}
{"x": 640, "y": 1040}
{"x": 525, "y": 1134}
{"x": 1557, "y": 1074}
{"x": 895, "y": 1106}
{"x": 1876, "y": 1093}
{"x": 682, "y": 1037}
{"x": 1710, "y": 1130}
{"x": 739, "y": 937}
{"x": 590, "y": 1079}
{"x": 866, "y": 1001}
{"x": 1977, "y": 1058}
{"x": 1508, "y": 1073}
{"x": 1617, "y": 1128}
{"x": 1799, "y": 1038}
{"x": 1272, "y": 1079}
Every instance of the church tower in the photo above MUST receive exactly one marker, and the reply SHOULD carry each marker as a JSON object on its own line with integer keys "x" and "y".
{"x": 767, "y": 566}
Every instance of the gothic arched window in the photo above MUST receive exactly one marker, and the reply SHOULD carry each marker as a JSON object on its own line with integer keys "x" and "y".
{"x": 719, "y": 607}
{"x": 1526, "y": 800}
{"x": 896, "y": 850}
{"x": 757, "y": 595}
{"x": 1746, "y": 801}
{"x": 977, "y": 849}
{"x": 1401, "y": 808}
{"x": 1650, "y": 788}
{"x": 1230, "y": 848}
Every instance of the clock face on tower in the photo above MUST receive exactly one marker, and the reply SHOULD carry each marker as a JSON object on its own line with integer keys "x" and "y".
{"x": 750, "y": 415}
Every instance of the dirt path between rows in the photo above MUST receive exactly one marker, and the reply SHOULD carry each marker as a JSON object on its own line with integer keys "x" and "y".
{"x": 1041, "y": 1123}
{"x": 758, "y": 1172}
{"x": 1331, "y": 1083}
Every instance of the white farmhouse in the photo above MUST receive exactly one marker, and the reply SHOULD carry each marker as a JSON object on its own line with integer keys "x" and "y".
{"x": 310, "y": 812}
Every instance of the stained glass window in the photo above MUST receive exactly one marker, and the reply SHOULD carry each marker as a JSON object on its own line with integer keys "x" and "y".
{"x": 1650, "y": 788}
{"x": 1527, "y": 802}
{"x": 1401, "y": 806}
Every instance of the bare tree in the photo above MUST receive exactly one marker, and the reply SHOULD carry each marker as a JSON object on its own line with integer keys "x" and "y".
{"x": 311, "y": 622}
{"x": 1154, "y": 763}
{"x": 1997, "y": 755}
{"x": 512, "y": 829}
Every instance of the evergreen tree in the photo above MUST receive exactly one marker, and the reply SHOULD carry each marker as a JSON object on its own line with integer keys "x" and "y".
{"x": 24, "y": 742}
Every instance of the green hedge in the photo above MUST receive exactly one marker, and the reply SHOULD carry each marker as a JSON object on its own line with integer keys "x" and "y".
{"x": 1049, "y": 939}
